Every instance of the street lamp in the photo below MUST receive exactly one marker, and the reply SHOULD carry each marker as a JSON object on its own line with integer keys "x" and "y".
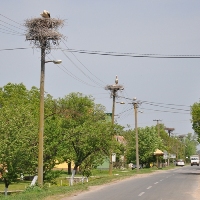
{"x": 41, "y": 122}
{"x": 121, "y": 102}
{"x": 54, "y": 61}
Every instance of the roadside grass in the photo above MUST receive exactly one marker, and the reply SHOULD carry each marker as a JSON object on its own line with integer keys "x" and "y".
{"x": 62, "y": 189}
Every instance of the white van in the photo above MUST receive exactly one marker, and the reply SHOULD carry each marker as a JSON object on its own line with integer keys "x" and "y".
{"x": 194, "y": 160}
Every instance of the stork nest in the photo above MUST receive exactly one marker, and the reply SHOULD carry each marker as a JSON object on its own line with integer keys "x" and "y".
{"x": 114, "y": 87}
{"x": 42, "y": 32}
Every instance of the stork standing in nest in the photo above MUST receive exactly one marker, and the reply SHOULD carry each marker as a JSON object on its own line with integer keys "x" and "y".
{"x": 45, "y": 14}
{"x": 116, "y": 80}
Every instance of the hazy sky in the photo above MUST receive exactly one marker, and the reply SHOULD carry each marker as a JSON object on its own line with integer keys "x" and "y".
{"x": 166, "y": 27}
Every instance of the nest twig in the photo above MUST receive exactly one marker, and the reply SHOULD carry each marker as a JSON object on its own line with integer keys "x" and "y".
{"x": 42, "y": 32}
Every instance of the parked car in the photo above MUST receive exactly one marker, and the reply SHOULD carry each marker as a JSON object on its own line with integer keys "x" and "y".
{"x": 180, "y": 162}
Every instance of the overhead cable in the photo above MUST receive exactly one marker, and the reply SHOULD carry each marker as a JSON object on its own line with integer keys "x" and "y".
{"x": 131, "y": 54}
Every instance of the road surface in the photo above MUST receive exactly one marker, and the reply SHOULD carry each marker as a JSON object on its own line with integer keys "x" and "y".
{"x": 180, "y": 183}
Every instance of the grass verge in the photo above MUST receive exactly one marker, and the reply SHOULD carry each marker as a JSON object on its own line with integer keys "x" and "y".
{"x": 56, "y": 192}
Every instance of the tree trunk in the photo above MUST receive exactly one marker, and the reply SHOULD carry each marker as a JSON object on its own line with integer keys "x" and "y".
{"x": 69, "y": 168}
{"x": 6, "y": 187}
{"x": 76, "y": 167}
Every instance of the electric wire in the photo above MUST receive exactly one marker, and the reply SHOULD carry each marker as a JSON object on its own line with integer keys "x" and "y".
{"x": 184, "y": 56}
{"x": 82, "y": 71}
{"x": 164, "y": 111}
{"x": 12, "y": 25}
{"x": 11, "y": 20}
{"x": 10, "y": 30}
{"x": 130, "y": 54}
{"x": 10, "y": 33}
{"x": 166, "y": 107}
{"x": 168, "y": 104}
{"x": 83, "y": 64}
{"x": 64, "y": 69}
{"x": 18, "y": 48}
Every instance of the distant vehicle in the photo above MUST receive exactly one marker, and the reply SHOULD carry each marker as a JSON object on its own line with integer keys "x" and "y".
{"x": 180, "y": 162}
{"x": 194, "y": 160}
{"x": 135, "y": 166}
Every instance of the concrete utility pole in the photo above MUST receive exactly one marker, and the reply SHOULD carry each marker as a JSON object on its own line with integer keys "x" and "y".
{"x": 135, "y": 106}
{"x": 114, "y": 89}
{"x": 158, "y": 126}
{"x": 42, "y": 32}
{"x": 41, "y": 122}
{"x": 169, "y": 132}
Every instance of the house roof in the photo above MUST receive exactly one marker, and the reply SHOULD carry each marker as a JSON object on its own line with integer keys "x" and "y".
{"x": 120, "y": 139}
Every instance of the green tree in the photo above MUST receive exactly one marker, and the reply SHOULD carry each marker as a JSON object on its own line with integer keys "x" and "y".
{"x": 19, "y": 122}
{"x": 195, "y": 112}
{"x": 87, "y": 133}
{"x": 17, "y": 131}
{"x": 190, "y": 143}
{"x": 148, "y": 142}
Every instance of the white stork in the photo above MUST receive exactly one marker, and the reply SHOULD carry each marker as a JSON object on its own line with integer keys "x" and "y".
{"x": 116, "y": 80}
{"x": 45, "y": 14}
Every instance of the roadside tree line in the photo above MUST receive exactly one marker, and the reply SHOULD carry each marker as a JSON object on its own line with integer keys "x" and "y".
{"x": 75, "y": 130}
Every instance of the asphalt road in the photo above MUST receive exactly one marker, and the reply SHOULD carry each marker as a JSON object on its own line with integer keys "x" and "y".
{"x": 177, "y": 184}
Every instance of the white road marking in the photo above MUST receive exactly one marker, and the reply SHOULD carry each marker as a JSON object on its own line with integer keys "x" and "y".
{"x": 141, "y": 194}
{"x": 156, "y": 183}
{"x": 161, "y": 180}
{"x": 149, "y": 187}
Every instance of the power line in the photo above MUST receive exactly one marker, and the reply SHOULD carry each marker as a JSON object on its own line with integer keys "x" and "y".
{"x": 168, "y": 104}
{"x": 18, "y": 48}
{"x": 165, "y": 111}
{"x": 166, "y": 107}
{"x": 82, "y": 71}
{"x": 72, "y": 75}
{"x": 10, "y": 30}
{"x": 165, "y": 104}
{"x": 12, "y": 25}
{"x": 83, "y": 64}
{"x": 172, "y": 56}
{"x": 130, "y": 54}
{"x": 11, "y": 20}
{"x": 10, "y": 33}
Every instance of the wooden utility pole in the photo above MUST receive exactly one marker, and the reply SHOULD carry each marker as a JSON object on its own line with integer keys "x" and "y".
{"x": 158, "y": 126}
{"x": 114, "y": 89}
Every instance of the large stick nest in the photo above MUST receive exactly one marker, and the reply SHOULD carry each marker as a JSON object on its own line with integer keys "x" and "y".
{"x": 42, "y": 32}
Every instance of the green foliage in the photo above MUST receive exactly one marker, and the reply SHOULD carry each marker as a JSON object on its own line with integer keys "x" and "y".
{"x": 75, "y": 129}
{"x": 148, "y": 142}
{"x": 88, "y": 134}
{"x": 17, "y": 122}
{"x": 195, "y": 112}
{"x": 51, "y": 176}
